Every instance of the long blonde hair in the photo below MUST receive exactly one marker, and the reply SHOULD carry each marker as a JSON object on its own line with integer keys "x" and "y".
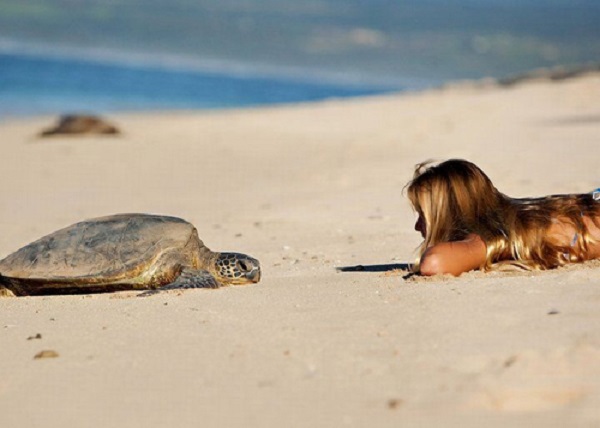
{"x": 455, "y": 198}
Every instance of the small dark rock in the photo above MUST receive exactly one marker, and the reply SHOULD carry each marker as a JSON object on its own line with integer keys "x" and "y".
{"x": 394, "y": 403}
{"x": 510, "y": 361}
{"x": 46, "y": 354}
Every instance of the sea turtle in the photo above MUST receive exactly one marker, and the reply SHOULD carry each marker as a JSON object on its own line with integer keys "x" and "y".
{"x": 122, "y": 252}
{"x": 72, "y": 124}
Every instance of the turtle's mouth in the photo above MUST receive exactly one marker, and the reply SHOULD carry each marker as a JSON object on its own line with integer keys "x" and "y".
{"x": 253, "y": 275}
{"x": 247, "y": 278}
{"x": 250, "y": 277}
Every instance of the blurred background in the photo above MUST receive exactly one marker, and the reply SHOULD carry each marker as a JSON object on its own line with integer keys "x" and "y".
{"x": 60, "y": 56}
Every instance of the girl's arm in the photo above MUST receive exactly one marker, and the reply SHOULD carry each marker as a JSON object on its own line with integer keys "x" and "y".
{"x": 454, "y": 257}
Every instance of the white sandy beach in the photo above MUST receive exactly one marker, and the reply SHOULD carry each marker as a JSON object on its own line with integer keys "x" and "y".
{"x": 307, "y": 189}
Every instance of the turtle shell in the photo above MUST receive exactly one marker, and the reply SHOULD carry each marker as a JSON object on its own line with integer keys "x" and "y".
{"x": 125, "y": 251}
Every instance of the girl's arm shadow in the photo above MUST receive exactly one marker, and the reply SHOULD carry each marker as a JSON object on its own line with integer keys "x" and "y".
{"x": 379, "y": 268}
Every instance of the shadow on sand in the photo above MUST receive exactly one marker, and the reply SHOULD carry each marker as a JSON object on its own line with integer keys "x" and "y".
{"x": 379, "y": 268}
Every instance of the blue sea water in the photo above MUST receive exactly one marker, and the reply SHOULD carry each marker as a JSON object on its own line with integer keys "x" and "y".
{"x": 33, "y": 84}
{"x": 99, "y": 56}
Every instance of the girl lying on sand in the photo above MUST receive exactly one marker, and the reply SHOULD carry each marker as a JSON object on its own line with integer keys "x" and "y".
{"x": 468, "y": 224}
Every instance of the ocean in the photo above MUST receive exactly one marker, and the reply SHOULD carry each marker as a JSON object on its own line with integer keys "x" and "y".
{"x": 39, "y": 85}
{"x": 59, "y": 56}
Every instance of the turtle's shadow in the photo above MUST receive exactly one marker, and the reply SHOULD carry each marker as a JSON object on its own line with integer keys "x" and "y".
{"x": 379, "y": 268}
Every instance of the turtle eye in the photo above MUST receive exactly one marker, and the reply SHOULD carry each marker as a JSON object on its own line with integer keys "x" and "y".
{"x": 243, "y": 266}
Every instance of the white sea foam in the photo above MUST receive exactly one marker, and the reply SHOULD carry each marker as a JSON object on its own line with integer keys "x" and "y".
{"x": 226, "y": 67}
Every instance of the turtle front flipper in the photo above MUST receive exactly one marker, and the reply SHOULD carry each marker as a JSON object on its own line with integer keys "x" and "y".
{"x": 189, "y": 278}
{"x": 192, "y": 278}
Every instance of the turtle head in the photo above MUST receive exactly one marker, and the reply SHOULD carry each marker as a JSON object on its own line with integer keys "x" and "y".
{"x": 235, "y": 268}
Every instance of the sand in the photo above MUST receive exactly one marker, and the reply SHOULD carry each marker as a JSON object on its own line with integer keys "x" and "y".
{"x": 307, "y": 189}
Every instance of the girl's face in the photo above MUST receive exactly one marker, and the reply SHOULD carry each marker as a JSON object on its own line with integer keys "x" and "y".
{"x": 421, "y": 227}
